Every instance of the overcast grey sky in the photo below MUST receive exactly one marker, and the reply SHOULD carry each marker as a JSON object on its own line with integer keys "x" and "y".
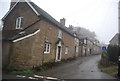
{"x": 100, "y": 16}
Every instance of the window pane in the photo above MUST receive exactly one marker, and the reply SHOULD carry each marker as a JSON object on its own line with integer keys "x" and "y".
{"x": 59, "y": 34}
{"x": 66, "y": 50}
{"x": 19, "y": 22}
{"x": 47, "y": 47}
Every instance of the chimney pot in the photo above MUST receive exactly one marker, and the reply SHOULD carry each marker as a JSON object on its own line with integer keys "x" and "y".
{"x": 62, "y": 21}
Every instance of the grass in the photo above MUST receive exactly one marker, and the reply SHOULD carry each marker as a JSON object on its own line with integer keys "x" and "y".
{"x": 43, "y": 67}
{"x": 107, "y": 66}
{"x": 111, "y": 70}
{"x": 28, "y": 71}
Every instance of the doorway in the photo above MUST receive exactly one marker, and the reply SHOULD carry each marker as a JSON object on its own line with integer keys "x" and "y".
{"x": 58, "y": 52}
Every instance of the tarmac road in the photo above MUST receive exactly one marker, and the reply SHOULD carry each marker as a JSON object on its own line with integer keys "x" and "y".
{"x": 82, "y": 68}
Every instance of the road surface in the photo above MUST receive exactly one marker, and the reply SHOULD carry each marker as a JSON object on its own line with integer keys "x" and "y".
{"x": 82, "y": 68}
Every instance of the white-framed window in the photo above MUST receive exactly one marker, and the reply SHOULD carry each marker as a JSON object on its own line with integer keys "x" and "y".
{"x": 77, "y": 49}
{"x": 19, "y": 22}
{"x": 75, "y": 36}
{"x": 85, "y": 41}
{"x": 59, "y": 34}
{"x": 66, "y": 50}
{"x": 77, "y": 40}
{"x": 47, "y": 48}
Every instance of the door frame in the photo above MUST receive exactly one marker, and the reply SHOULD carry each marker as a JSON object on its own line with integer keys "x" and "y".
{"x": 58, "y": 45}
{"x": 77, "y": 50}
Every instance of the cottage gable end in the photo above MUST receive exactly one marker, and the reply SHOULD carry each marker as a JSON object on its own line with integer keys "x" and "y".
{"x": 15, "y": 4}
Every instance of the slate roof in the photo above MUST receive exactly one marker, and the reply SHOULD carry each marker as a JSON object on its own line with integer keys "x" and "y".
{"x": 50, "y": 18}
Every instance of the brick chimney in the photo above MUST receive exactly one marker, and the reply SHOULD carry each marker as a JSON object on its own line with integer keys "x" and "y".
{"x": 62, "y": 21}
{"x": 12, "y": 3}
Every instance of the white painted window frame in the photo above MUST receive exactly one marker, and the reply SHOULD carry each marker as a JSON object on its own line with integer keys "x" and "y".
{"x": 85, "y": 41}
{"x": 75, "y": 36}
{"x": 19, "y": 22}
{"x": 77, "y": 40}
{"x": 60, "y": 34}
{"x": 66, "y": 50}
{"x": 47, "y": 48}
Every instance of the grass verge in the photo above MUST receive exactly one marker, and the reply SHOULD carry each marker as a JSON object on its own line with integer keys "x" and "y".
{"x": 28, "y": 71}
{"x": 111, "y": 70}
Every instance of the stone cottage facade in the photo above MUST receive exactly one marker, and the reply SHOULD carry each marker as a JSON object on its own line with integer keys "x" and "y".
{"x": 32, "y": 37}
{"x": 89, "y": 47}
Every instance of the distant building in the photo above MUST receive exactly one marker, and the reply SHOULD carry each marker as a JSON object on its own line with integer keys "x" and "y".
{"x": 89, "y": 47}
{"x": 115, "y": 40}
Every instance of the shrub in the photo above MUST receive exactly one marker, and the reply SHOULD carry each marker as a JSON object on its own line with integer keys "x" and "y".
{"x": 45, "y": 66}
{"x": 113, "y": 52}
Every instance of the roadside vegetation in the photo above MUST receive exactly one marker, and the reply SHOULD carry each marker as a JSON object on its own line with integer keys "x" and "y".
{"x": 109, "y": 60}
{"x": 43, "y": 67}
{"x": 111, "y": 69}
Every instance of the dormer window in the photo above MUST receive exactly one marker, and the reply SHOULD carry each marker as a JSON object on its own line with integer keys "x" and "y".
{"x": 75, "y": 36}
{"x": 19, "y": 21}
{"x": 60, "y": 34}
{"x": 85, "y": 41}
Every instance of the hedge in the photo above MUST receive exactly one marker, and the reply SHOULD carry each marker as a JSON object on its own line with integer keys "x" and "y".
{"x": 113, "y": 52}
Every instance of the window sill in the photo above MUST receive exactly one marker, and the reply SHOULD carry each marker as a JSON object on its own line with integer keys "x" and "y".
{"x": 19, "y": 28}
{"x": 46, "y": 52}
{"x": 60, "y": 37}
